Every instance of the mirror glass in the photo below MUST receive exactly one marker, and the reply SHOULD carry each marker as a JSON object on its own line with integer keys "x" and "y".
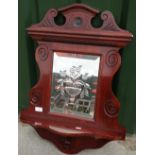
{"x": 74, "y": 84}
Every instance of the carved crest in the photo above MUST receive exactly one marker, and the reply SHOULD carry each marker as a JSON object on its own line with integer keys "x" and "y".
{"x": 78, "y": 21}
{"x": 79, "y": 16}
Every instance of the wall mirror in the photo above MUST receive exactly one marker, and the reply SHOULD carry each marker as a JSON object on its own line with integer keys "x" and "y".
{"x": 74, "y": 82}
{"x": 72, "y": 104}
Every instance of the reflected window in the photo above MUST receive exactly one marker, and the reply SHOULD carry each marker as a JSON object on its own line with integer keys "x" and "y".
{"x": 74, "y": 82}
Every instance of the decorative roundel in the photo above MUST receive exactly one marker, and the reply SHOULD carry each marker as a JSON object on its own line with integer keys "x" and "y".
{"x": 110, "y": 109}
{"x": 112, "y": 58}
{"x": 35, "y": 98}
{"x": 43, "y": 52}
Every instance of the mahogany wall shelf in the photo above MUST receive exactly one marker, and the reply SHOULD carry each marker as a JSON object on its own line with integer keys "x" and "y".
{"x": 72, "y": 104}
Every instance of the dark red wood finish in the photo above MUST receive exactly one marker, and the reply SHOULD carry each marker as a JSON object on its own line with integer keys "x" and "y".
{"x": 69, "y": 133}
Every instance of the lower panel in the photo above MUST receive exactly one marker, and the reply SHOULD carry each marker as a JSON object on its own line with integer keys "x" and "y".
{"x": 71, "y": 145}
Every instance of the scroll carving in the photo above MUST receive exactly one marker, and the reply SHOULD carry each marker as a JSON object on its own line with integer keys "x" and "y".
{"x": 49, "y": 19}
{"x": 112, "y": 58}
{"x": 111, "y": 108}
{"x": 35, "y": 98}
{"x": 42, "y": 52}
{"x": 109, "y": 22}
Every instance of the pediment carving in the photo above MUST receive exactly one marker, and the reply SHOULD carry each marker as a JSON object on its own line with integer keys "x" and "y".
{"x": 78, "y": 17}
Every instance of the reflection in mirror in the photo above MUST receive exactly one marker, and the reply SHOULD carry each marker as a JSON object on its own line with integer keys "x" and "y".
{"x": 74, "y": 82}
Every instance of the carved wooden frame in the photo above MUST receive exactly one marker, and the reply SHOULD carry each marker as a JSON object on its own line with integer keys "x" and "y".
{"x": 77, "y": 35}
